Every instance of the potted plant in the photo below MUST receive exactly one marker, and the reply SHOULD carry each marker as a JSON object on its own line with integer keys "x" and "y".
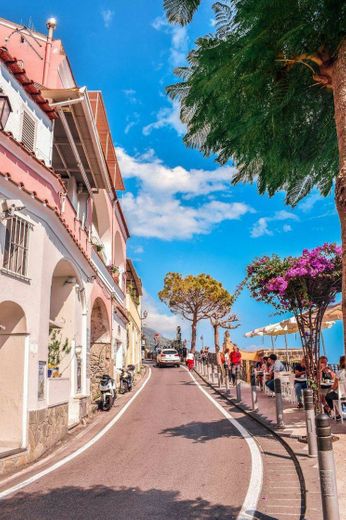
{"x": 114, "y": 270}
{"x": 57, "y": 349}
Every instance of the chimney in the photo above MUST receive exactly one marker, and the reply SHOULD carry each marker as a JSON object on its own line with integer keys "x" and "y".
{"x": 51, "y": 26}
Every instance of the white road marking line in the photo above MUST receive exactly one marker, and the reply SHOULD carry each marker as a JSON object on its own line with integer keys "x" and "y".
{"x": 249, "y": 506}
{"x": 76, "y": 453}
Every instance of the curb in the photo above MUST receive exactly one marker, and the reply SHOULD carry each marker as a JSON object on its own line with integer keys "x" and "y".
{"x": 253, "y": 415}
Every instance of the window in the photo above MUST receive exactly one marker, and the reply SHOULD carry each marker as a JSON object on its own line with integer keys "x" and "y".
{"x": 28, "y": 132}
{"x": 16, "y": 245}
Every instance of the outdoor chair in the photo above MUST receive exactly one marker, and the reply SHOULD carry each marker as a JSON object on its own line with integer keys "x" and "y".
{"x": 339, "y": 405}
{"x": 286, "y": 385}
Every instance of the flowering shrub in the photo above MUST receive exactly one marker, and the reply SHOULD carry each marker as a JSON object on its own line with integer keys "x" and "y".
{"x": 302, "y": 283}
{"x": 305, "y": 286}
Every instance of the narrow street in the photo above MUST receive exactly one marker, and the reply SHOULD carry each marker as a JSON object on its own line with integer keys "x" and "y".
{"x": 172, "y": 455}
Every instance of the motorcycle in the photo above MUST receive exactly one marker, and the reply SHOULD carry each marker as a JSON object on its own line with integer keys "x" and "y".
{"x": 126, "y": 379}
{"x": 108, "y": 392}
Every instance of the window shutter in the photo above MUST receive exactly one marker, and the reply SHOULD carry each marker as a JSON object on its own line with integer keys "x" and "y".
{"x": 28, "y": 132}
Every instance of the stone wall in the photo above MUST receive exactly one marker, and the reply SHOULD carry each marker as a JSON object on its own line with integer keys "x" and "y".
{"x": 100, "y": 363}
{"x": 46, "y": 428}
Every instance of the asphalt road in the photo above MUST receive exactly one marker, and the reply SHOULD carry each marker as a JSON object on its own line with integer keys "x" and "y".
{"x": 172, "y": 455}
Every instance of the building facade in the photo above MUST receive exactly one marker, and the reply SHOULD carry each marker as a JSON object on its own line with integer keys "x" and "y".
{"x": 134, "y": 295}
{"x": 63, "y": 270}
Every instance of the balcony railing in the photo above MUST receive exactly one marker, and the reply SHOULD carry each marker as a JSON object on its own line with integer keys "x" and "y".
{"x": 107, "y": 278}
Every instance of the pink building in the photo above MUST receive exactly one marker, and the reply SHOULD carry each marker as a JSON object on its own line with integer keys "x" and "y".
{"x": 63, "y": 317}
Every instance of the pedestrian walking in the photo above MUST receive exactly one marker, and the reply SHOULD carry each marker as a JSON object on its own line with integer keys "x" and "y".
{"x": 190, "y": 360}
{"x": 235, "y": 363}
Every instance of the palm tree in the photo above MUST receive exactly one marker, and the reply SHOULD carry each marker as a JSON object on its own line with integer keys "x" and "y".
{"x": 268, "y": 91}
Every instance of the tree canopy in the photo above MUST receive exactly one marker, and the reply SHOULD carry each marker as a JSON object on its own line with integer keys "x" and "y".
{"x": 194, "y": 297}
{"x": 259, "y": 92}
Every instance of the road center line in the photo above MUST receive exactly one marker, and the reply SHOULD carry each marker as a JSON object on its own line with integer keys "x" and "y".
{"x": 249, "y": 506}
{"x": 78, "y": 452}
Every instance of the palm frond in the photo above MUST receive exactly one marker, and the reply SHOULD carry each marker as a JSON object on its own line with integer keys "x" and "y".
{"x": 180, "y": 11}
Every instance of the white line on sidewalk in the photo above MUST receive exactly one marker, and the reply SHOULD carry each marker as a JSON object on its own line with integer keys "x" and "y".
{"x": 76, "y": 453}
{"x": 249, "y": 506}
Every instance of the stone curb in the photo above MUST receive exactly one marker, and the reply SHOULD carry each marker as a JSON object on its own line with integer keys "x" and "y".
{"x": 269, "y": 426}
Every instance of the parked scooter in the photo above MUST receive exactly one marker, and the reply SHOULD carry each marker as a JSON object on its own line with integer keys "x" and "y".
{"x": 126, "y": 379}
{"x": 108, "y": 392}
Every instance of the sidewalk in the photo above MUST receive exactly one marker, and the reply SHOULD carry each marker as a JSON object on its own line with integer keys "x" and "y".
{"x": 295, "y": 428}
{"x": 73, "y": 440}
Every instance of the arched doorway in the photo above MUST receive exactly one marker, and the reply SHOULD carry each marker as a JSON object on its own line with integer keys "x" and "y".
{"x": 13, "y": 336}
{"x": 101, "y": 349}
{"x": 66, "y": 346}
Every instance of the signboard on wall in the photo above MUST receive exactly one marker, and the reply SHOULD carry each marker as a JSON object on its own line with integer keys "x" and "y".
{"x": 41, "y": 389}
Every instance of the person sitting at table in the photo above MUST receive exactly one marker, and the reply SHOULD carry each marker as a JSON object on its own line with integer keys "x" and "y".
{"x": 340, "y": 381}
{"x": 275, "y": 366}
{"x": 327, "y": 377}
{"x": 261, "y": 369}
{"x": 300, "y": 381}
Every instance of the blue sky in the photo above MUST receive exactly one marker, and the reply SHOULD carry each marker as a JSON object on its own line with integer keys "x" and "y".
{"x": 183, "y": 213}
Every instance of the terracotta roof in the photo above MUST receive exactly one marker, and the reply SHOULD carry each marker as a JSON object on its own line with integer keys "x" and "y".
{"x": 28, "y": 85}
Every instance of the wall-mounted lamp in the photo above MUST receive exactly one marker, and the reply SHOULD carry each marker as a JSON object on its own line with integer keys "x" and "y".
{"x": 5, "y": 109}
{"x": 144, "y": 315}
{"x": 78, "y": 350}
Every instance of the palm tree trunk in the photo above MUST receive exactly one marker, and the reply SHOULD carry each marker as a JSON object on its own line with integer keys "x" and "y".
{"x": 339, "y": 89}
{"x": 193, "y": 334}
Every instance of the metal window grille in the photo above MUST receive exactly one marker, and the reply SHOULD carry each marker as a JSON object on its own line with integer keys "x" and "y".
{"x": 28, "y": 132}
{"x": 16, "y": 246}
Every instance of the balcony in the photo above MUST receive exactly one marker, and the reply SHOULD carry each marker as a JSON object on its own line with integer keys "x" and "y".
{"x": 107, "y": 278}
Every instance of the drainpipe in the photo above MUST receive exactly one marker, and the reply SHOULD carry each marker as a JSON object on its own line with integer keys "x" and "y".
{"x": 51, "y": 25}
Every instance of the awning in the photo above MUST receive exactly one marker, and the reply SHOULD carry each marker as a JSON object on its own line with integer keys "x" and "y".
{"x": 77, "y": 148}
{"x": 290, "y": 326}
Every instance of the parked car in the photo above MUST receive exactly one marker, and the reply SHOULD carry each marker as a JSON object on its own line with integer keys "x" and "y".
{"x": 168, "y": 357}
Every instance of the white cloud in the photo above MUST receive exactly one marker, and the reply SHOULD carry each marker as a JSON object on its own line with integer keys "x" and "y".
{"x": 168, "y": 219}
{"x": 131, "y": 95}
{"x": 160, "y": 179}
{"x": 131, "y": 122}
{"x": 162, "y": 208}
{"x": 139, "y": 250}
{"x": 165, "y": 324}
{"x": 307, "y": 204}
{"x": 261, "y": 226}
{"x": 167, "y": 116}
{"x": 179, "y": 40}
{"x": 178, "y": 50}
{"x": 107, "y": 16}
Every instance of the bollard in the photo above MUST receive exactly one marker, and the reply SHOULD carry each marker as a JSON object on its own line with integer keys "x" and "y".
{"x": 219, "y": 380}
{"x": 279, "y": 405}
{"x": 329, "y": 495}
{"x": 310, "y": 421}
{"x": 226, "y": 382}
{"x": 254, "y": 392}
{"x": 238, "y": 389}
